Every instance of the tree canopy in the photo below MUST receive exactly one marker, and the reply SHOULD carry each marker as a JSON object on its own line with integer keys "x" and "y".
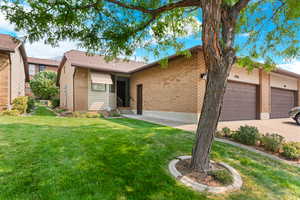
{"x": 113, "y": 27}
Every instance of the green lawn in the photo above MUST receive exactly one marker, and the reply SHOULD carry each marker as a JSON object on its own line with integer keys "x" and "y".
{"x": 46, "y": 157}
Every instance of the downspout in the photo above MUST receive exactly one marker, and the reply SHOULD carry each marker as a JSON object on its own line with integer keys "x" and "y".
{"x": 74, "y": 89}
{"x": 10, "y": 80}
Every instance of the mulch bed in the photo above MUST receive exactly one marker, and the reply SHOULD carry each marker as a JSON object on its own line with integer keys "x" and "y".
{"x": 203, "y": 178}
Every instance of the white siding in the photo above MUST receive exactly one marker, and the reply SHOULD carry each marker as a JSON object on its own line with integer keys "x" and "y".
{"x": 283, "y": 82}
{"x": 100, "y": 100}
{"x": 242, "y": 75}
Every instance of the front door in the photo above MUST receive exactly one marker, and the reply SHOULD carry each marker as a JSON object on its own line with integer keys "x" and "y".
{"x": 139, "y": 97}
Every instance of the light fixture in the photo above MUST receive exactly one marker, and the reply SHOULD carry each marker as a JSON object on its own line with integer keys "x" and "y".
{"x": 204, "y": 76}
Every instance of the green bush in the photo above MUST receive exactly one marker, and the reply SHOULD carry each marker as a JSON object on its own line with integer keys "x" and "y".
{"x": 43, "y": 85}
{"x": 30, "y": 104}
{"x": 10, "y": 113}
{"x": 223, "y": 176}
{"x": 247, "y": 135}
{"x": 20, "y": 104}
{"x": 225, "y": 132}
{"x": 272, "y": 142}
{"x": 55, "y": 102}
{"x": 291, "y": 150}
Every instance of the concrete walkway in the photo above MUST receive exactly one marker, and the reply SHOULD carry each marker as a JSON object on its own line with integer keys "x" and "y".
{"x": 258, "y": 123}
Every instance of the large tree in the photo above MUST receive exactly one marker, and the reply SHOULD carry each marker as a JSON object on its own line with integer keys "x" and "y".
{"x": 119, "y": 27}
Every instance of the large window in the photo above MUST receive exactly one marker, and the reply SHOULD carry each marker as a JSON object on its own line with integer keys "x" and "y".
{"x": 31, "y": 70}
{"x": 42, "y": 68}
{"x": 99, "y": 87}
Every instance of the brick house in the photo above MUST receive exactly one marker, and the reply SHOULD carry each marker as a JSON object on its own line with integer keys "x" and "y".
{"x": 13, "y": 70}
{"x": 177, "y": 92}
{"x": 36, "y": 65}
{"x": 89, "y": 83}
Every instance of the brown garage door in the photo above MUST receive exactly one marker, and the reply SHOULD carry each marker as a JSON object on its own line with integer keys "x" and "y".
{"x": 240, "y": 102}
{"x": 281, "y": 102}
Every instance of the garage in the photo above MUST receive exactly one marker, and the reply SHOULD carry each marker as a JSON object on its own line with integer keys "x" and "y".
{"x": 281, "y": 102}
{"x": 240, "y": 102}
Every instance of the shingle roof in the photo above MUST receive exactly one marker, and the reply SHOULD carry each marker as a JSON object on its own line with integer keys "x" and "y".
{"x": 41, "y": 61}
{"x": 97, "y": 62}
{"x": 8, "y": 43}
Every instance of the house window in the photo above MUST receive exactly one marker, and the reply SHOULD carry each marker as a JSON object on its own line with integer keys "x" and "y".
{"x": 42, "y": 68}
{"x": 31, "y": 70}
{"x": 99, "y": 87}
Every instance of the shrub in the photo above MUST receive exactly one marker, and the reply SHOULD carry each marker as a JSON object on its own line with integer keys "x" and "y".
{"x": 92, "y": 115}
{"x": 115, "y": 114}
{"x": 291, "y": 150}
{"x": 10, "y": 113}
{"x": 219, "y": 134}
{"x": 43, "y": 85}
{"x": 55, "y": 102}
{"x": 223, "y": 176}
{"x": 225, "y": 132}
{"x": 247, "y": 135}
{"x": 30, "y": 104}
{"x": 85, "y": 115}
{"x": 272, "y": 142}
{"x": 20, "y": 104}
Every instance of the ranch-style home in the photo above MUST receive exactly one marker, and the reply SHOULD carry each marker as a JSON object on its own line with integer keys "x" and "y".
{"x": 88, "y": 83}
{"x": 13, "y": 70}
{"x": 36, "y": 65}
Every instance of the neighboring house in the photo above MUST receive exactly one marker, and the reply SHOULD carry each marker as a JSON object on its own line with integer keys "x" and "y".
{"x": 36, "y": 65}
{"x": 177, "y": 91}
{"x": 13, "y": 70}
{"x": 89, "y": 83}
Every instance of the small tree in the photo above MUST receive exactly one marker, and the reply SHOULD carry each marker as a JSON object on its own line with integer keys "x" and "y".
{"x": 43, "y": 85}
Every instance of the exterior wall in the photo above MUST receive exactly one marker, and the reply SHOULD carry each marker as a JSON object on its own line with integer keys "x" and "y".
{"x": 51, "y": 69}
{"x": 170, "y": 93}
{"x": 66, "y": 86}
{"x": 4, "y": 81}
{"x": 81, "y": 89}
{"x": 242, "y": 75}
{"x": 265, "y": 95}
{"x": 283, "y": 82}
{"x": 17, "y": 75}
{"x": 170, "y": 89}
{"x": 100, "y": 100}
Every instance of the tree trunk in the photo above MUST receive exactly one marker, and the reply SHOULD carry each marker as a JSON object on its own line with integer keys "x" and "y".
{"x": 218, "y": 38}
{"x": 215, "y": 89}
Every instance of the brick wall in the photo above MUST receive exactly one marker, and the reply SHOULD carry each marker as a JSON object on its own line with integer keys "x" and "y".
{"x": 173, "y": 88}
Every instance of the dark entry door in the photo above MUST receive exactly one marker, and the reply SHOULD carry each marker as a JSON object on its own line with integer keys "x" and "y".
{"x": 240, "y": 102}
{"x": 281, "y": 102}
{"x": 139, "y": 97}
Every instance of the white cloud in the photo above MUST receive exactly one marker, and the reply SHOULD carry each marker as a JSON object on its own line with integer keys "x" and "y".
{"x": 41, "y": 50}
{"x": 293, "y": 66}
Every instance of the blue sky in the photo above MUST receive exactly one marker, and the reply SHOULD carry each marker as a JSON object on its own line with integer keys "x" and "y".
{"x": 39, "y": 49}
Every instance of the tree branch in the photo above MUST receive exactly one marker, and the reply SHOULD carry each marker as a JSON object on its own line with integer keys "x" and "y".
{"x": 156, "y": 11}
{"x": 241, "y": 4}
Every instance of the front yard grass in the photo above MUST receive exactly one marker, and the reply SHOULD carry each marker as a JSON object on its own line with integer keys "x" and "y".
{"x": 45, "y": 157}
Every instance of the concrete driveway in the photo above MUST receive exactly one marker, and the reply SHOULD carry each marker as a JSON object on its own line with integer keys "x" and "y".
{"x": 285, "y": 127}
